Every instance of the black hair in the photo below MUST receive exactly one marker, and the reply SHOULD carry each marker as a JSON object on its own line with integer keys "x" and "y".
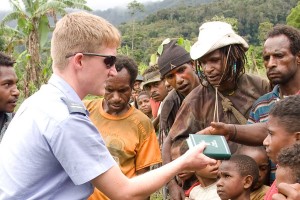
{"x": 129, "y": 64}
{"x": 143, "y": 92}
{"x": 291, "y": 33}
{"x": 287, "y": 111}
{"x": 6, "y": 60}
{"x": 180, "y": 142}
{"x": 290, "y": 157}
{"x": 245, "y": 166}
{"x": 233, "y": 60}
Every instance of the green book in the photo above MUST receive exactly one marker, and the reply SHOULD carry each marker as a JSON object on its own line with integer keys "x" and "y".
{"x": 216, "y": 145}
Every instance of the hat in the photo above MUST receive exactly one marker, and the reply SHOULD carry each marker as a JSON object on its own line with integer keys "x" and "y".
{"x": 139, "y": 78}
{"x": 151, "y": 77}
{"x": 215, "y": 35}
{"x": 173, "y": 56}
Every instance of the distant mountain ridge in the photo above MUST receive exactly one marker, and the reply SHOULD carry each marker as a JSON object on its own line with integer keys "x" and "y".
{"x": 121, "y": 15}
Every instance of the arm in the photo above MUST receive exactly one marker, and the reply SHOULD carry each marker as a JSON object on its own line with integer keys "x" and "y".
{"x": 175, "y": 191}
{"x": 287, "y": 192}
{"x": 144, "y": 185}
{"x": 249, "y": 134}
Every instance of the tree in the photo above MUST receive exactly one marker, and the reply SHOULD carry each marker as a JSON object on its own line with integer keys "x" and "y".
{"x": 33, "y": 27}
{"x": 134, "y": 7}
{"x": 293, "y": 19}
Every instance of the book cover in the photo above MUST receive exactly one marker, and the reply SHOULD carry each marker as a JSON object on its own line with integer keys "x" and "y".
{"x": 216, "y": 145}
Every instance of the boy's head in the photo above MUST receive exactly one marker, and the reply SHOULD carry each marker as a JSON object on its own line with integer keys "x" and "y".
{"x": 208, "y": 174}
{"x": 178, "y": 148}
{"x": 259, "y": 155}
{"x": 143, "y": 102}
{"x": 237, "y": 177}
{"x": 288, "y": 170}
{"x": 283, "y": 126}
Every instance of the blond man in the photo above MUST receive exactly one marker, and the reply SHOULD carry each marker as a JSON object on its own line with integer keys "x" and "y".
{"x": 51, "y": 149}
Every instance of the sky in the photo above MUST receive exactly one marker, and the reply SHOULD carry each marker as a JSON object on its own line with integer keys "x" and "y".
{"x": 94, "y": 4}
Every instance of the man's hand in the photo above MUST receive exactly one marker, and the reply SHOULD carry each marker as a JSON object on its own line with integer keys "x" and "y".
{"x": 219, "y": 128}
{"x": 287, "y": 192}
{"x": 175, "y": 191}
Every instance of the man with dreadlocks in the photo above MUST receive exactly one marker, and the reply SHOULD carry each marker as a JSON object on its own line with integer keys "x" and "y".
{"x": 226, "y": 93}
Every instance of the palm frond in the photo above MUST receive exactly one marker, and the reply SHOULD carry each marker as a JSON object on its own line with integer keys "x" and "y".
{"x": 13, "y": 16}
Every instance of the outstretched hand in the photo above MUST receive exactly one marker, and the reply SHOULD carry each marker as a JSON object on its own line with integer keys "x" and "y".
{"x": 194, "y": 159}
{"x": 217, "y": 128}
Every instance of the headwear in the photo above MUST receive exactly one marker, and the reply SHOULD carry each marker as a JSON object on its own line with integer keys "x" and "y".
{"x": 151, "y": 77}
{"x": 173, "y": 56}
{"x": 139, "y": 78}
{"x": 215, "y": 35}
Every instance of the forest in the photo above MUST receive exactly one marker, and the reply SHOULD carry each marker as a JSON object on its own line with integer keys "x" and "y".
{"x": 143, "y": 28}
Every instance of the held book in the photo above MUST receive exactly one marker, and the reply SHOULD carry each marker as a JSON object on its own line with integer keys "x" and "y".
{"x": 216, "y": 145}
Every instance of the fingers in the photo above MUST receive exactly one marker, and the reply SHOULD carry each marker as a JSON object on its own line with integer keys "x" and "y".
{"x": 291, "y": 191}
{"x": 278, "y": 197}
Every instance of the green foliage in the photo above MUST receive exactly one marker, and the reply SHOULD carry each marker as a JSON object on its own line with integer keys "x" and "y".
{"x": 183, "y": 21}
{"x": 263, "y": 30}
{"x": 31, "y": 33}
{"x": 293, "y": 19}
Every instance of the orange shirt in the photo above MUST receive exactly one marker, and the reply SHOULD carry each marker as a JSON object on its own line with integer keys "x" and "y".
{"x": 130, "y": 137}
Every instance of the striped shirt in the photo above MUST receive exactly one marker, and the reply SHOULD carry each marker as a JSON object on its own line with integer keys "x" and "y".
{"x": 262, "y": 106}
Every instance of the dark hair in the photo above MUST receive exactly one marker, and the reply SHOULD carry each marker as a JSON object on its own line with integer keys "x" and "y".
{"x": 245, "y": 166}
{"x": 287, "y": 111}
{"x": 143, "y": 92}
{"x": 6, "y": 60}
{"x": 291, "y": 33}
{"x": 129, "y": 64}
{"x": 290, "y": 157}
{"x": 180, "y": 142}
{"x": 234, "y": 59}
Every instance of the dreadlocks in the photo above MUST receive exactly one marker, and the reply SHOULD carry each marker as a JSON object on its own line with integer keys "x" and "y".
{"x": 233, "y": 58}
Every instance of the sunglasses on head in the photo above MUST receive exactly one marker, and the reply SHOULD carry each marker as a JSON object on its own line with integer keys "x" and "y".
{"x": 109, "y": 60}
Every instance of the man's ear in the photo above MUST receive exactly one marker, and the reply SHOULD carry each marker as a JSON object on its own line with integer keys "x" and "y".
{"x": 77, "y": 61}
{"x": 248, "y": 180}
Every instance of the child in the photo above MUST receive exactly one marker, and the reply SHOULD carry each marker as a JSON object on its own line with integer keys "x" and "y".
{"x": 288, "y": 169}
{"x": 237, "y": 177}
{"x": 206, "y": 187}
{"x": 259, "y": 155}
{"x": 185, "y": 179}
{"x": 143, "y": 102}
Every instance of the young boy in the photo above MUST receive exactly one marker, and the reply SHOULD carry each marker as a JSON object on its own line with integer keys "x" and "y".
{"x": 259, "y": 155}
{"x": 143, "y": 102}
{"x": 237, "y": 177}
{"x": 206, "y": 186}
{"x": 185, "y": 179}
{"x": 288, "y": 170}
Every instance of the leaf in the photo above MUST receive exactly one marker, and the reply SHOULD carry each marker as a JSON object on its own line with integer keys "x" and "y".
{"x": 43, "y": 30}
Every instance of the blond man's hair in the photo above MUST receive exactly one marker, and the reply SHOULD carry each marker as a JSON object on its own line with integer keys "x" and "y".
{"x": 81, "y": 32}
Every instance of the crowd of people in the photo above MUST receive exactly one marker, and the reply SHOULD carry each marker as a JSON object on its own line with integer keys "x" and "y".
{"x": 131, "y": 141}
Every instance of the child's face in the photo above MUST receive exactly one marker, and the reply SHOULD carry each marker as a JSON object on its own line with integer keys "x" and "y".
{"x": 144, "y": 105}
{"x": 184, "y": 175}
{"x": 277, "y": 139}
{"x": 210, "y": 171}
{"x": 262, "y": 161}
{"x": 284, "y": 175}
{"x": 230, "y": 184}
